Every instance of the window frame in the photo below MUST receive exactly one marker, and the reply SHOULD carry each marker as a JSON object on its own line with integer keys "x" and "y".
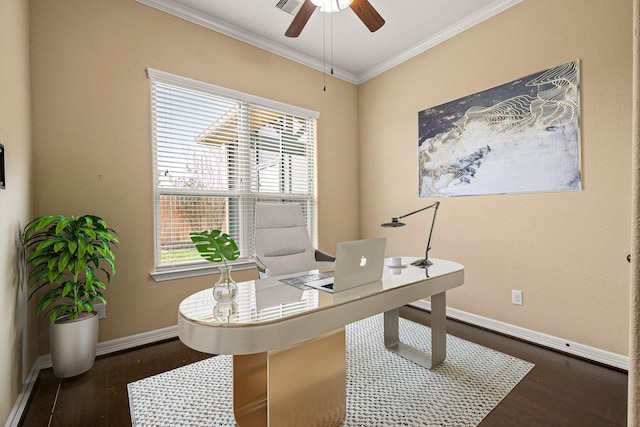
{"x": 245, "y": 196}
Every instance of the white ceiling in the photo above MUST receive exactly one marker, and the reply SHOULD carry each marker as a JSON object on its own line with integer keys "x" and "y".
{"x": 412, "y": 26}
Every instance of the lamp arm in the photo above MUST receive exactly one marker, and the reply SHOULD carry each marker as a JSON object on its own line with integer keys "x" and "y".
{"x": 395, "y": 223}
{"x": 433, "y": 221}
{"x": 436, "y": 204}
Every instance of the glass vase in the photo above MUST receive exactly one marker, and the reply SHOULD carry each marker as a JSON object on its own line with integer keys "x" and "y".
{"x": 225, "y": 289}
{"x": 226, "y": 312}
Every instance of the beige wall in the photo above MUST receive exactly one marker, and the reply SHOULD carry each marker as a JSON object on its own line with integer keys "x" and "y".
{"x": 92, "y": 133}
{"x": 91, "y": 153}
{"x": 565, "y": 251}
{"x": 15, "y": 135}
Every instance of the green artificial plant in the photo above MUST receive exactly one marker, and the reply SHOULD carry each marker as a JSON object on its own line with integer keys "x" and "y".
{"x": 215, "y": 246}
{"x": 66, "y": 255}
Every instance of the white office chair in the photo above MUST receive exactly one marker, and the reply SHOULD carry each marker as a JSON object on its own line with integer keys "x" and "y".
{"x": 282, "y": 241}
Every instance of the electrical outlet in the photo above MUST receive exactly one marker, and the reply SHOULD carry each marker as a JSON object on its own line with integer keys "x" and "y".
{"x": 101, "y": 309}
{"x": 516, "y": 297}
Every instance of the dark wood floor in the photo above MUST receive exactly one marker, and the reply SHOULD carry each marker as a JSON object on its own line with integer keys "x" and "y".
{"x": 559, "y": 391}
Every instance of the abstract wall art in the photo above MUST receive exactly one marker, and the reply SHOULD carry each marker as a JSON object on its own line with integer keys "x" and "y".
{"x": 522, "y": 136}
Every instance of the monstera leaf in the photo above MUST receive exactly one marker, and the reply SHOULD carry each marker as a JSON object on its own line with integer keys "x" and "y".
{"x": 215, "y": 246}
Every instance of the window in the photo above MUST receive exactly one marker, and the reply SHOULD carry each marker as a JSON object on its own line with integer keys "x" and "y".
{"x": 216, "y": 153}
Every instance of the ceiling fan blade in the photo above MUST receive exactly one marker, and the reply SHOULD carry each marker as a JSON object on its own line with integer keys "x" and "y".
{"x": 301, "y": 18}
{"x": 367, "y": 14}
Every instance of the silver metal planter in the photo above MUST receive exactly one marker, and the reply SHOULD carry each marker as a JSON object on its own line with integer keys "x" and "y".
{"x": 73, "y": 345}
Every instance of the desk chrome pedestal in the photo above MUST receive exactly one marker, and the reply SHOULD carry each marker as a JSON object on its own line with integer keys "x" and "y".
{"x": 301, "y": 385}
{"x": 288, "y": 343}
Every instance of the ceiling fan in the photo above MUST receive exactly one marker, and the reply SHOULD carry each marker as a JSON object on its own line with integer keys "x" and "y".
{"x": 367, "y": 14}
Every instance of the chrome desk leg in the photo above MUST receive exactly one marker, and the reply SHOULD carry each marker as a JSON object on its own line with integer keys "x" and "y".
{"x": 438, "y": 335}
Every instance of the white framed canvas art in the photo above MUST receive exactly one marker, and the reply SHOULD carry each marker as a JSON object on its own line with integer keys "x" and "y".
{"x": 522, "y": 136}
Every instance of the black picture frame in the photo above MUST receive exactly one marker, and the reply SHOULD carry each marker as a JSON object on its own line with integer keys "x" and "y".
{"x": 2, "y": 176}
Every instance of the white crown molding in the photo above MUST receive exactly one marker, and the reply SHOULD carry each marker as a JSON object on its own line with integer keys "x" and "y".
{"x": 191, "y": 15}
{"x": 239, "y": 34}
{"x": 453, "y": 30}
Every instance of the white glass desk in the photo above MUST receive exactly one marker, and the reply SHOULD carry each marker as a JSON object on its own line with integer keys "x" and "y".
{"x": 288, "y": 343}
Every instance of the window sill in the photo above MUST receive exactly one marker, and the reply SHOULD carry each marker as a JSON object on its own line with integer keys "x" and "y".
{"x": 197, "y": 270}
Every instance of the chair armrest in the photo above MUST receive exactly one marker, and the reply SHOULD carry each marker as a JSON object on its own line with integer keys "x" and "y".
{"x": 262, "y": 269}
{"x": 322, "y": 256}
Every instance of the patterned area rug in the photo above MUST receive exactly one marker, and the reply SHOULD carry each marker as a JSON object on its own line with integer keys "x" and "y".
{"x": 383, "y": 389}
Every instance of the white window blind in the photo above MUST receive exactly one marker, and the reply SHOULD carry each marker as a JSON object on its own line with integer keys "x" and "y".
{"x": 216, "y": 153}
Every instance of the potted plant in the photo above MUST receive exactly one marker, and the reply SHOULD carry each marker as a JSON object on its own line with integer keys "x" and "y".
{"x": 216, "y": 246}
{"x": 68, "y": 256}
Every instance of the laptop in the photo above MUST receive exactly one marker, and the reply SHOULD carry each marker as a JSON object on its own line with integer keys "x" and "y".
{"x": 358, "y": 262}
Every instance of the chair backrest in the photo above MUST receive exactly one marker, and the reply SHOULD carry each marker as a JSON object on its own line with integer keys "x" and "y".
{"x": 282, "y": 240}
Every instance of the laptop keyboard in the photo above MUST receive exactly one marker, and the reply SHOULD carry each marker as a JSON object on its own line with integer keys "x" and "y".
{"x": 318, "y": 280}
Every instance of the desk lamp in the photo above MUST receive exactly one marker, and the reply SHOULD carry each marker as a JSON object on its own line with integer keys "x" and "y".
{"x": 422, "y": 263}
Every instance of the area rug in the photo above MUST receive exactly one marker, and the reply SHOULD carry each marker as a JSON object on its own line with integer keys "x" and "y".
{"x": 383, "y": 389}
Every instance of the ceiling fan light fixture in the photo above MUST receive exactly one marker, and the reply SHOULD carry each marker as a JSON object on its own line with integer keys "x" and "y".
{"x": 332, "y": 5}
{"x": 362, "y": 8}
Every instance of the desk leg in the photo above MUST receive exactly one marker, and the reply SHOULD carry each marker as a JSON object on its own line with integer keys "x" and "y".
{"x": 438, "y": 335}
{"x": 250, "y": 389}
{"x": 304, "y": 385}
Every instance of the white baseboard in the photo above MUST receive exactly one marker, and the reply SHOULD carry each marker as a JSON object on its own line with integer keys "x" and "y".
{"x": 23, "y": 398}
{"x": 120, "y": 344}
{"x": 103, "y": 348}
{"x": 559, "y": 344}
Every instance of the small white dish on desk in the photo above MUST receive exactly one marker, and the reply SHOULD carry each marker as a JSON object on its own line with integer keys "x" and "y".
{"x": 395, "y": 262}
{"x": 396, "y": 266}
